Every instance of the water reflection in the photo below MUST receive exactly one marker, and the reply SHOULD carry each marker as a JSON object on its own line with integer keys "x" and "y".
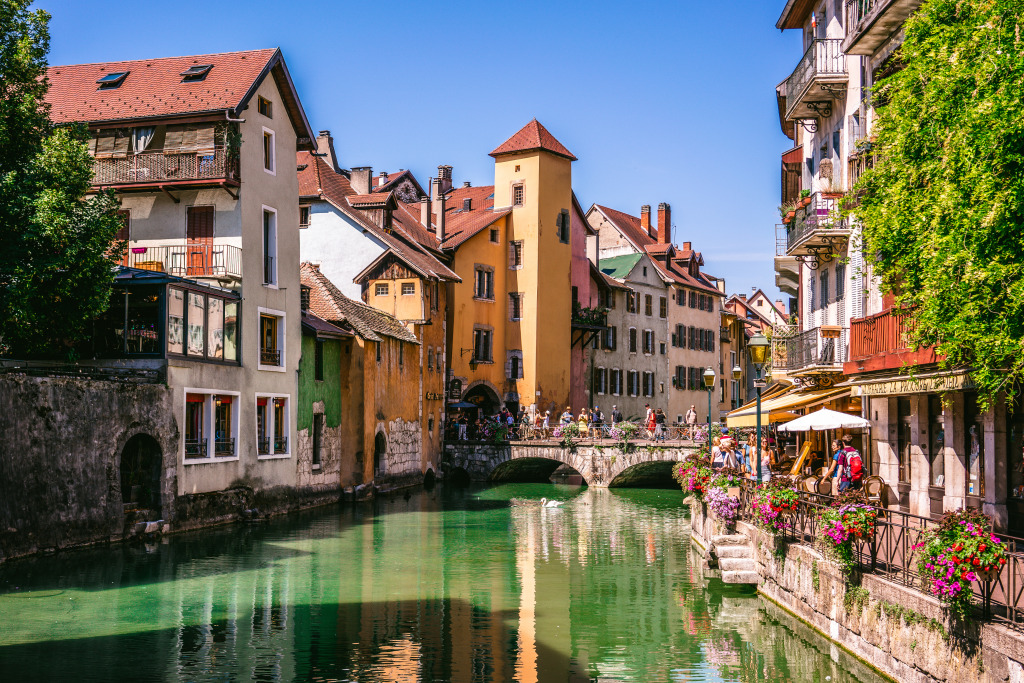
{"x": 482, "y": 585}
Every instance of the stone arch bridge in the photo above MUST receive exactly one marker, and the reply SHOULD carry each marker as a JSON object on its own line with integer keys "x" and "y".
{"x": 599, "y": 465}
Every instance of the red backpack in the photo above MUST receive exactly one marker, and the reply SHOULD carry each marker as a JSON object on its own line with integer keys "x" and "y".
{"x": 854, "y": 464}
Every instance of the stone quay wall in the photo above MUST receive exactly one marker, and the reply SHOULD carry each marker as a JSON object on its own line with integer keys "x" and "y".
{"x": 899, "y": 631}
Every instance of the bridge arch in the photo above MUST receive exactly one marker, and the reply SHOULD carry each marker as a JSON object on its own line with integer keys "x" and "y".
{"x": 653, "y": 474}
{"x": 527, "y": 469}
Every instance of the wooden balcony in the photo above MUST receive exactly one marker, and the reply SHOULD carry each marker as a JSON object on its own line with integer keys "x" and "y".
{"x": 156, "y": 170}
{"x": 214, "y": 261}
{"x": 869, "y": 23}
{"x": 882, "y": 342}
{"x": 817, "y": 82}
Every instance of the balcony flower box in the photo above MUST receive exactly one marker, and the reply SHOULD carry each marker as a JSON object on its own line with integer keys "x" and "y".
{"x": 831, "y": 331}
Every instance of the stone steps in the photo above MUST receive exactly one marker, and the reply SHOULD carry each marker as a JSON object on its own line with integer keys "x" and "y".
{"x": 731, "y": 539}
{"x": 741, "y": 577}
{"x": 737, "y": 564}
{"x": 735, "y": 559}
{"x": 724, "y": 551}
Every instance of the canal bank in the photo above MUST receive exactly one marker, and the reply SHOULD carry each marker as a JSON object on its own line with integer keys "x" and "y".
{"x": 479, "y": 584}
{"x": 898, "y": 630}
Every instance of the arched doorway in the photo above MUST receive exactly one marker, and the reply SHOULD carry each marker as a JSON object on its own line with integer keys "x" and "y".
{"x": 380, "y": 449}
{"x": 141, "y": 462}
{"x": 485, "y": 399}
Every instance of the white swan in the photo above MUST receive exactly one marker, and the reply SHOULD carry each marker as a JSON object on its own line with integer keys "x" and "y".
{"x": 544, "y": 502}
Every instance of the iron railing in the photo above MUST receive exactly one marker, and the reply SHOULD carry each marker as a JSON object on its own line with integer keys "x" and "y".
{"x": 820, "y": 214}
{"x": 270, "y": 357}
{"x": 263, "y": 445}
{"x": 187, "y": 260}
{"x": 165, "y": 167}
{"x": 195, "y": 448}
{"x": 224, "y": 447}
{"x": 280, "y": 444}
{"x": 823, "y": 58}
{"x": 890, "y": 552}
{"x": 812, "y": 348}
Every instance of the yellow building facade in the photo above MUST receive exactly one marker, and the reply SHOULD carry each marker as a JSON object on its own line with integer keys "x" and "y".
{"x": 509, "y": 318}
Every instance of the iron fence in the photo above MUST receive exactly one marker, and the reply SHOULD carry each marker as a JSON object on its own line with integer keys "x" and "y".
{"x": 812, "y": 348}
{"x": 187, "y": 260}
{"x": 824, "y": 57}
{"x": 821, "y": 213}
{"x": 889, "y": 552}
{"x": 165, "y": 167}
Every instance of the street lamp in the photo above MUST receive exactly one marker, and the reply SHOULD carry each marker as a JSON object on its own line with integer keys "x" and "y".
{"x": 737, "y": 372}
{"x": 758, "y": 350}
{"x": 709, "y": 383}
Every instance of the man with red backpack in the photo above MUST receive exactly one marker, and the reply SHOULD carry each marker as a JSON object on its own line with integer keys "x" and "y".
{"x": 851, "y": 465}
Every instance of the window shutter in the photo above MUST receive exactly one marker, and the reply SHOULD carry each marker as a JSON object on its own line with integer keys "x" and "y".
{"x": 490, "y": 285}
{"x": 172, "y": 140}
{"x": 189, "y": 137}
{"x": 711, "y": 340}
{"x": 104, "y": 143}
{"x": 204, "y": 140}
{"x": 615, "y": 338}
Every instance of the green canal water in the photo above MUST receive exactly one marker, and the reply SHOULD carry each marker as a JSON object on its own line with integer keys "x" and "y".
{"x": 471, "y": 585}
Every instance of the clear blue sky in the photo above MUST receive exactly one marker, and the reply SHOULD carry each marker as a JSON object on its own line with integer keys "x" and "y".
{"x": 661, "y": 101}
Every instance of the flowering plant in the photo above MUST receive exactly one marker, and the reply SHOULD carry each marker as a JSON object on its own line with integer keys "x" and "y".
{"x": 725, "y": 507}
{"x": 840, "y": 525}
{"x": 694, "y": 475}
{"x": 493, "y": 431}
{"x": 569, "y": 435}
{"x": 768, "y": 504}
{"x": 623, "y": 432}
{"x": 960, "y": 550}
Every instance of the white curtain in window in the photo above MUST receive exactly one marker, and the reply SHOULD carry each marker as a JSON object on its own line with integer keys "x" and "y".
{"x": 141, "y": 137}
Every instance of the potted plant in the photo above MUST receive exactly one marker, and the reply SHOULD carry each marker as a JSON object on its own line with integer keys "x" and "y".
{"x": 772, "y": 503}
{"x": 841, "y": 525}
{"x": 724, "y": 506}
{"x": 960, "y": 550}
{"x": 694, "y": 475}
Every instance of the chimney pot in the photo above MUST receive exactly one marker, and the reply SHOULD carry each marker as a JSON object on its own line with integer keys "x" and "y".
{"x": 467, "y": 184}
{"x": 687, "y": 246}
{"x": 664, "y": 223}
{"x": 361, "y": 179}
{"x": 743, "y": 297}
{"x": 444, "y": 180}
{"x": 325, "y": 148}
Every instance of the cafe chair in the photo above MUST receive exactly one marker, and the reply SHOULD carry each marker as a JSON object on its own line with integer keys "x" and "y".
{"x": 874, "y": 487}
{"x": 825, "y": 486}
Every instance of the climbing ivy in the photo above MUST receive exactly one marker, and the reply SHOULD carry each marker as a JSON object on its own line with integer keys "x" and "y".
{"x": 943, "y": 206}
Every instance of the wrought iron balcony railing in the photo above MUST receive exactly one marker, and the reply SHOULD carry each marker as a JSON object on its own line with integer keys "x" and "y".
{"x": 224, "y": 447}
{"x": 165, "y": 168}
{"x": 270, "y": 357}
{"x": 821, "y": 347}
{"x": 280, "y": 444}
{"x": 869, "y": 23}
{"x": 195, "y": 448}
{"x": 816, "y": 80}
{"x": 263, "y": 445}
{"x": 817, "y": 223}
{"x": 187, "y": 260}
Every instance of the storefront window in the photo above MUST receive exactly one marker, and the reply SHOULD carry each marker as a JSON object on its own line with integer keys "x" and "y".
{"x": 937, "y": 440}
{"x": 196, "y": 323}
{"x": 195, "y": 439}
{"x": 215, "y": 325}
{"x": 903, "y": 436}
{"x": 230, "y": 330}
{"x": 974, "y": 447}
{"x": 175, "y": 321}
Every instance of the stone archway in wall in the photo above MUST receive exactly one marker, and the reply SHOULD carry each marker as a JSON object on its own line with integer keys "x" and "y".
{"x": 529, "y": 470}
{"x": 380, "y": 452}
{"x": 655, "y": 474}
{"x": 140, "y": 468}
{"x": 485, "y": 396}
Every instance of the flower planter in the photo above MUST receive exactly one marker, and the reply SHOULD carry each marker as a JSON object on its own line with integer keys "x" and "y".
{"x": 806, "y": 201}
{"x": 832, "y": 195}
{"x": 733, "y": 491}
{"x": 987, "y": 575}
{"x": 791, "y": 214}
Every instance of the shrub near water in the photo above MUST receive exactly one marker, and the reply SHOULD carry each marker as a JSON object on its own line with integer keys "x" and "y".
{"x": 960, "y": 550}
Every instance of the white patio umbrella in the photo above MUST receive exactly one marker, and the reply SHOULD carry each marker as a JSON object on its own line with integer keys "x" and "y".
{"x": 822, "y": 420}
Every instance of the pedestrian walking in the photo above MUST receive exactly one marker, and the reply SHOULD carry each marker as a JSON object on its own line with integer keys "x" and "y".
{"x": 651, "y": 423}
{"x": 597, "y": 420}
{"x": 616, "y": 415}
{"x": 659, "y": 425}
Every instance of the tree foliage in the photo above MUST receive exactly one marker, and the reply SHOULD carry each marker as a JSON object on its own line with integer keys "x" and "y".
{"x": 943, "y": 208}
{"x": 56, "y": 261}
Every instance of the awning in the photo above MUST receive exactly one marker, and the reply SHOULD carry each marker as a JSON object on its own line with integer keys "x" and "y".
{"x": 780, "y": 408}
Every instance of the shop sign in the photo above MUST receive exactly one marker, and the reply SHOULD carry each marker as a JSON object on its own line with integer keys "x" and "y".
{"x": 434, "y": 396}
{"x": 455, "y": 389}
{"x": 918, "y": 385}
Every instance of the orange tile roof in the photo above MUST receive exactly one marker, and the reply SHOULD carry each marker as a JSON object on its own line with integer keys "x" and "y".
{"x": 318, "y": 178}
{"x": 533, "y": 136}
{"x": 630, "y": 227}
{"x": 327, "y": 302}
{"x": 460, "y": 225}
{"x": 154, "y": 88}
{"x": 373, "y": 199}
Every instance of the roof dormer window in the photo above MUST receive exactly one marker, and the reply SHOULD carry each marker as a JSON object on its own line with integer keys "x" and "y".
{"x": 112, "y": 80}
{"x": 195, "y": 73}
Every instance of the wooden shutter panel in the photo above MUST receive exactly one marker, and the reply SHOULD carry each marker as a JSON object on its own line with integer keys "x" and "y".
{"x": 204, "y": 140}
{"x": 188, "y": 138}
{"x": 121, "y": 138}
{"x": 104, "y": 143}
{"x": 172, "y": 139}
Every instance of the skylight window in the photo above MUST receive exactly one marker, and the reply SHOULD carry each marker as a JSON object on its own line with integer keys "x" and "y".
{"x": 196, "y": 73}
{"x": 112, "y": 80}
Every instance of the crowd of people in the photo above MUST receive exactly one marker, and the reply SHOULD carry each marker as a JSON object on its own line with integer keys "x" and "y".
{"x": 727, "y": 451}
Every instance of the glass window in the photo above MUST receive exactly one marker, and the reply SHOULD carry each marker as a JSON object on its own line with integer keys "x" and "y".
{"x": 408, "y": 288}
{"x": 175, "y": 321}
{"x": 196, "y": 323}
{"x": 280, "y": 426}
{"x": 231, "y": 330}
{"x": 195, "y": 442}
{"x": 380, "y": 289}
{"x": 215, "y": 327}
{"x": 262, "y": 438}
{"x": 224, "y": 442}
{"x": 975, "y": 446}
{"x": 143, "y": 316}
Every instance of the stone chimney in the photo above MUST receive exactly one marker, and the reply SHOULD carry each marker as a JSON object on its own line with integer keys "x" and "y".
{"x": 779, "y": 305}
{"x": 444, "y": 180}
{"x": 645, "y": 218}
{"x": 743, "y": 297}
{"x": 442, "y": 185}
{"x": 325, "y": 148}
{"x": 361, "y": 178}
{"x": 383, "y": 179}
{"x": 664, "y": 223}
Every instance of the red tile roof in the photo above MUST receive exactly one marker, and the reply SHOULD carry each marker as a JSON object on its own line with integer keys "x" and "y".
{"x": 327, "y": 302}
{"x": 629, "y": 226}
{"x": 154, "y": 88}
{"x": 373, "y": 199}
{"x": 533, "y": 136}
{"x": 460, "y": 225}
{"x": 318, "y": 178}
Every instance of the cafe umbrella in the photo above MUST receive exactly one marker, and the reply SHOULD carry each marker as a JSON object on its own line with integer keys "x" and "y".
{"x": 824, "y": 419}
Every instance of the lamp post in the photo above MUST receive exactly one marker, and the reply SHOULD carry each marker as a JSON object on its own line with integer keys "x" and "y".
{"x": 709, "y": 383}
{"x": 758, "y": 350}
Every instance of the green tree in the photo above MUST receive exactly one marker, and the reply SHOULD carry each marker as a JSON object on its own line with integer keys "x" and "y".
{"x": 943, "y": 209}
{"x": 56, "y": 262}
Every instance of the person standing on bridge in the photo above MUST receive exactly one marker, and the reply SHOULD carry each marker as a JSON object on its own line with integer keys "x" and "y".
{"x": 566, "y": 416}
{"x": 597, "y": 421}
{"x": 691, "y": 420}
{"x": 616, "y": 415}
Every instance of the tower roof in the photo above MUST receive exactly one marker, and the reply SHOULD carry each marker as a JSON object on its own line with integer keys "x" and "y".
{"x": 530, "y": 137}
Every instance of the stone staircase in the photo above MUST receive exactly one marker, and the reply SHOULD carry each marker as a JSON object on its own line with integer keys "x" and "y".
{"x": 735, "y": 559}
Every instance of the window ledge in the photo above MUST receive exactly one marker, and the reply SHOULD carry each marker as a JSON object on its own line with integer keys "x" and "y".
{"x": 482, "y": 362}
{"x": 270, "y": 368}
{"x": 274, "y": 456}
{"x": 210, "y": 461}
{"x": 479, "y": 298}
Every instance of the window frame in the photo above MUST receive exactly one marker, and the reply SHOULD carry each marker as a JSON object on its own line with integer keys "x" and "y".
{"x": 209, "y": 425}
{"x": 481, "y": 269}
{"x": 269, "y": 151}
{"x": 411, "y": 286}
{"x": 264, "y": 107}
{"x": 270, "y": 249}
{"x": 381, "y": 288}
{"x": 483, "y": 333}
{"x": 522, "y": 194}
{"x": 282, "y": 338}
{"x": 271, "y": 425}
{"x": 515, "y": 254}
